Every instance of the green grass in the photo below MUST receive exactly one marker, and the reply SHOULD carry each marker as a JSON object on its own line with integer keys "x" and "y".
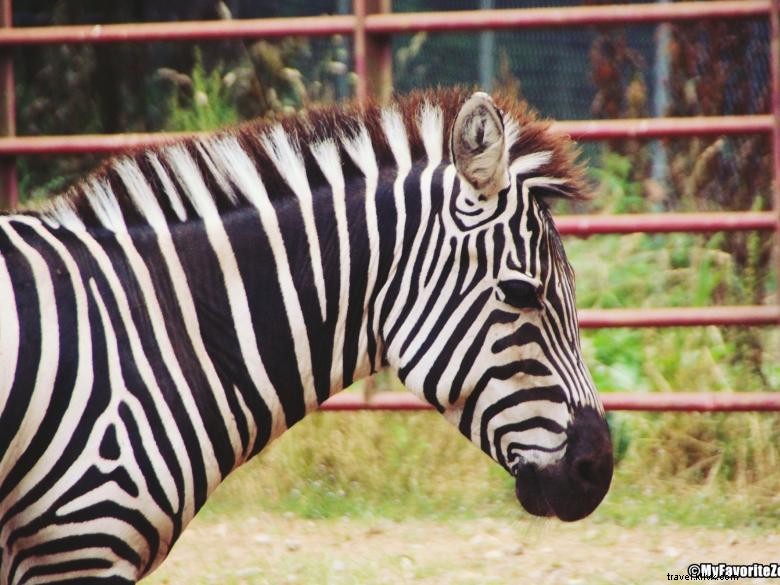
{"x": 707, "y": 470}
{"x": 674, "y": 270}
{"x": 377, "y": 464}
{"x": 205, "y": 106}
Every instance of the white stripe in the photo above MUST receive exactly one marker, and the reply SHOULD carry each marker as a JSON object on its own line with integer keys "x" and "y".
{"x": 530, "y": 162}
{"x": 290, "y": 165}
{"x": 432, "y": 131}
{"x": 512, "y": 131}
{"x": 142, "y": 195}
{"x": 473, "y": 264}
{"x": 144, "y": 501}
{"x": 188, "y": 175}
{"x": 395, "y": 131}
{"x": 105, "y": 205}
{"x": 203, "y": 148}
{"x": 52, "y": 533}
{"x": 428, "y": 123}
{"x": 40, "y": 393}
{"x": 82, "y": 385}
{"x": 430, "y": 258}
{"x": 181, "y": 291}
{"x": 168, "y": 187}
{"x": 9, "y": 335}
{"x": 60, "y": 211}
{"x": 249, "y": 417}
{"x": 233, "y": 283}
{"x": 213, "y": 476}
{"x": 448, "y": 184}
{"x": 361, "y": 151}
{"x": 326, "y": 154}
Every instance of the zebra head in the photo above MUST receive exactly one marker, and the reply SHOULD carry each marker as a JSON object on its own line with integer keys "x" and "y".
{"x": 493, "y": 341}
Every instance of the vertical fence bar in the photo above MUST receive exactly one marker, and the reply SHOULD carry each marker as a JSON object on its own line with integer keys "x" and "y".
{"x": 774, "y": 62}
{"x": 373, "y": 54}
{"x": 487, "y": 50}
{"x": 9, "y": 195}
{"x": 359, "y": 51}
{"x": 379, "y": 55}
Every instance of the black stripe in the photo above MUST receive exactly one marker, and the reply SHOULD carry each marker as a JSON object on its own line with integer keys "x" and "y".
{"x": 272, "y": 332}
{"x": 466, "y": 321}
{"x": 206, "y": 281}
{"x": 552, "y": 394}
{"x": 437, "y": 251}
{"x": 189, "y": 208}
{"x": 297, "y": 246}
{"x": 536, "y": 422}
{"x": 502, "y": 372}
{"x": 359, "y": 261}
{"x": 63, "y": 568}
{"x": 444, "y": 274}
{"x": 28, "y": 360}
{"x": 412, "y": 198}
{"x": 79, "y": 542}
{"x": 220, "y": 196}
{"x": 129, "y": 211}
{"x": 499, "y": 241}
{"x": 66, "y": 366}
{"x": 387, "y": 219}
{"x": 321, "y": 334}
{"x": 472, "y": 353}
{"x": 416, "y": 271}
{"x": 157, "y": 187}
{"x": 99, "y": 398}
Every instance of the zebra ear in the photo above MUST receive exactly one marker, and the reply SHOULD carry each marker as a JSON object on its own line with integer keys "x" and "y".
{"x": 477, "y": 145}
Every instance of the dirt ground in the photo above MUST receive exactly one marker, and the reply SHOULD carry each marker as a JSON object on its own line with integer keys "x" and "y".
{"x": 277, "y": 550}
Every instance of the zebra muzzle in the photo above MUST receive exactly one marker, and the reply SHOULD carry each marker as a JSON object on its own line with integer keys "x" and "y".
{"x": 573, "y": 487}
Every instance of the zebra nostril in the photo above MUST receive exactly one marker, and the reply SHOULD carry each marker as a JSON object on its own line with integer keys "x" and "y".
{"x": 585, "y": 471}
{"x": 526, "y": 470}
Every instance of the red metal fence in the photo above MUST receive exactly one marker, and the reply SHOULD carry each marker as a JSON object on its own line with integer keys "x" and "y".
{"x": 372, "y": 25}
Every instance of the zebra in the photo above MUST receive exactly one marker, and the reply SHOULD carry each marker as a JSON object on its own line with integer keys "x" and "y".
{"x": 176, "y": 310}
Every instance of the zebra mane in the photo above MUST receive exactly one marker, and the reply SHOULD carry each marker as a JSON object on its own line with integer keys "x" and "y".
{"x": 288, "y": 151}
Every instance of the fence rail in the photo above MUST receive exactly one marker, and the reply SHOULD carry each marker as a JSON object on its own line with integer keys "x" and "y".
{"x": 680, "y": 317}
{"x": 651, "y": 402}
{"x": 569, "y": 16}
{"x": 463, "y": 20}
{"x": 372, "y": 25}
{"x": 658, "y": 223}
{"x": 583, "y": 130}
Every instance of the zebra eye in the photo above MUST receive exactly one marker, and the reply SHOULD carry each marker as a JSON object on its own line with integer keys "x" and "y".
{"x": 521, "y": 294}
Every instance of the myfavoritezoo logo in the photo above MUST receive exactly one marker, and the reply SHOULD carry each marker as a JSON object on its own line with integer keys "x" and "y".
{"x": 726, "y": 572}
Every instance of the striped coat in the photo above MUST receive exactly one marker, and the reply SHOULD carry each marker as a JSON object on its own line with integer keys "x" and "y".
{"x": 178, "y": 309}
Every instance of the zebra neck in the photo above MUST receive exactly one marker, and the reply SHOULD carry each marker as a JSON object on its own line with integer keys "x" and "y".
{"x": 285, "y": 297}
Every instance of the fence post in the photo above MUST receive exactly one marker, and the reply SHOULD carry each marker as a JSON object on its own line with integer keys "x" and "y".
{"x": 373, "y": 54}
{"x": 9, "y": 195}
{"x": 774, "y": 63}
